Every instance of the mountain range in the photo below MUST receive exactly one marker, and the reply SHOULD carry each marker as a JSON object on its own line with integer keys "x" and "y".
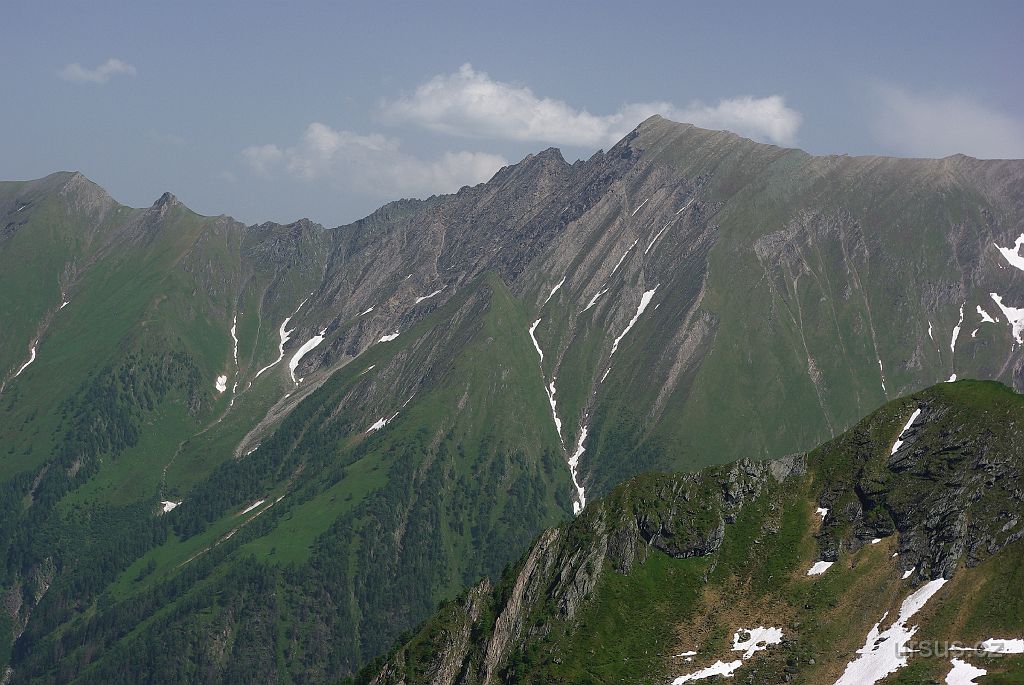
{"x": 263, "y": 453}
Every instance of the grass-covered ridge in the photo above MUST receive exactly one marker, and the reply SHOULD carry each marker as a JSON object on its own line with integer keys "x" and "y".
{"x": 669, "y": 565}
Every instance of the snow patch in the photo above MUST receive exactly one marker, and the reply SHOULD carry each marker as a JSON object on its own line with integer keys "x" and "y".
{"x": 550, "y": 390}
{"x": 951, "y": 379}
{"x": 876, "y": 541}
{"x": 1014, "y": 316}
{"x": 594, "y": 299}
{"x": 719, "y": 668}
{"x": 553, "y": 291}
{"x": 820, "y": 567}
{"x": 907, "y": 574}
{"x": 168, "y": 505}
{"x": 427, "y": 297}
{"x": 251, "y": 507}
{"x": 930, "y": 331}
{"x": 822, "y": 512}
{"x": 533, "y": 337}
{"x": 1012, "y": 254}
{"x": 380, "y": 423}
{"x": 301, "y": 352}
{"x": 913, "y": 417}
{"x": 389, "y": 337}
{"x": 285, "y": 335}
{"x": 883, "y": 652}
{"x": 574, "y": 463}
{"x": 639, "y": 207}
{"x": 1002, "y": 646}
{"x": 221, "y": 384}
{"x": 644, "y": 301}
{"x": 956, "y": 330}
{"x": 963, "y": 673}
{"x": 234, "y": 338}
{"x": 757, "y": 639}
{"x": 985, "y": 318}
{"x": 624, "y": 255}
{"x": 31, "y": 358}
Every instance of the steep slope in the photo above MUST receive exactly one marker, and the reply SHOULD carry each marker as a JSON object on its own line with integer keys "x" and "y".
{"x": 259, "y": 413}
{"x": 774, "y": 571}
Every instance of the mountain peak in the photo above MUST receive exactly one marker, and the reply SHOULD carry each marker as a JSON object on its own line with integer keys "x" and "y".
{"x": 166, "y": 199}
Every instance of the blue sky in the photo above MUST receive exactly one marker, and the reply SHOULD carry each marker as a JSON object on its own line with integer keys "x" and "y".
{"x": 282, "y": 110}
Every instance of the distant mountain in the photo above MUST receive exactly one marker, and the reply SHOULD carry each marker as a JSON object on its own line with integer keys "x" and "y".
{"x": 844, "y": 565}
{"x": 248, "y": 452}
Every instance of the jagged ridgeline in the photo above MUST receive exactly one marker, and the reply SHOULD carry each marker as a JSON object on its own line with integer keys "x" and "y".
{"x": 237, "y": 453}
{"x": 902, "y": 534}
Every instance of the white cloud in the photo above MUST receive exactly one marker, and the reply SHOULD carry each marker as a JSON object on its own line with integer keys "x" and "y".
{"x": 470, "y": 103}
{"x": 939, "y": 125}
{"x": 371, "y": 164}
{"x": 76, "y": 73}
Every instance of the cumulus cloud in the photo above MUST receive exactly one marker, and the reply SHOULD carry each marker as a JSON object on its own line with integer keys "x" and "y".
{"x": 470, "y": 103}
{"x": 938, "y": 125}
{"x": 371, "y": 164}
{"x": 76, "y": 73}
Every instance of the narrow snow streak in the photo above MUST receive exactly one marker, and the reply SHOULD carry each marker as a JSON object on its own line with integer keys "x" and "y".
{"x": 899, "y": 439}
{"x": 1014, "y": 316}
{"x": 1012, "y": 254}
{"x": 285, "y": 336}
{"x": 234, "y": 338}
{"x": 533, "y": 337}
{"x": 963, "y": 673}
{"x": 65, "y": 303}
{"x": 31, "y": 358}
{"x": 553, "y": 291}
{"x": 820, "y": 567}
{"x": 624, "y": 255}
{"x": 881, "y": 373}
{"x": 550, "y": 390}
{"x": 639, "y": 207}
{"x": 645, "y": 300}
{"x": 574, "y": 464}
{"x": 427, "y": 297}
{"x": 956, "y": 330}
{"x": 594, "y": 299}
{"x": 365, "y": 312}
{"x": 301, "y": 352}
{"x": 251, "y": 507}
{"x": 930, "y": 331}
{"x": 657, "y": 235}
{"x": 882, "y": 653}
